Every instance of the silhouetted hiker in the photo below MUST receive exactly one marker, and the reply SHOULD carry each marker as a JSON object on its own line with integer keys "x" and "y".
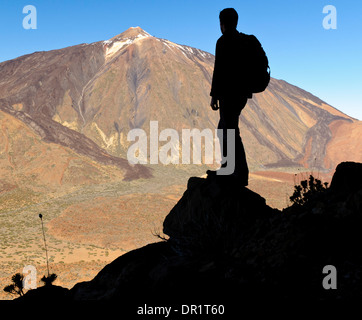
{"x": 236, "y": 59}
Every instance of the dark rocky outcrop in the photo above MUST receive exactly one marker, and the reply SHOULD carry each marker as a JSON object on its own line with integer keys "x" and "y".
{"x": 214, "y": 210}
{"x": 347, "y": 178}
{"x": 226, "y": 243}
{"x": 46, "y": 294}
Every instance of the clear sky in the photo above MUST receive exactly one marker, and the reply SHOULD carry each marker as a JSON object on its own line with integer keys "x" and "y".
{"x": 327, "y": 63}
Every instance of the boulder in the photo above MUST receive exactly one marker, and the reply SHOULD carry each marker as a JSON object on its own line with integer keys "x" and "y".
{"x": 212, "y": 211}
{"x": 347, "y": 178}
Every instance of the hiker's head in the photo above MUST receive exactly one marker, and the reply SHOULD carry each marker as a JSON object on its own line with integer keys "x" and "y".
{"x": 228, "y": 19}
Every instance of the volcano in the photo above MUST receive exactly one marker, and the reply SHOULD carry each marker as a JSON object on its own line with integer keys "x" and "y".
{"x": 87, "y": 97}
{"x": 64, "y": 119}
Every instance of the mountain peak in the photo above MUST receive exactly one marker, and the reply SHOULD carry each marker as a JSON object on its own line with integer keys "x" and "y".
{"x": 131, "y": 33}
{"x": 127, "y": 37}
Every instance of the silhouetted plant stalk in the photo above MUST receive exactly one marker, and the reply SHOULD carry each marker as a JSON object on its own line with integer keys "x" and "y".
{"x": 50, "y": 278}
{"x": 45, "y": 243}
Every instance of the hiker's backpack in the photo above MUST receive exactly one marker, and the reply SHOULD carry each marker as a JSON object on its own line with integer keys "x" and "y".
{"x": 256, "y": 64}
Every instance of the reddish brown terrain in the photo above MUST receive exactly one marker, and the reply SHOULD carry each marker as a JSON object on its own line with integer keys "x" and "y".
{"x": 64, "y": 119}
{"x": 90, "y": 95}
{"x": 340, "y": 146}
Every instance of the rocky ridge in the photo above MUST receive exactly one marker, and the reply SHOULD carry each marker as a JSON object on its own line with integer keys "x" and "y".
{"x": 226, "y": 243}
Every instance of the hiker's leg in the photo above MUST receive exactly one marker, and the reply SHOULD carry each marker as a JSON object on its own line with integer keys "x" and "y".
{"x": 222, "y": 132}
{"x": 241, "y": 166}
{"x": 229, "y": 119}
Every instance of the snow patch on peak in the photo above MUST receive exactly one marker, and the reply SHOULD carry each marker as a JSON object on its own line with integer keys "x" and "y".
{"x": 116, "y": 46}
{"x": 134, "y": 34}
{"x": 113, "y": 46}
{"x": 141, "y": 30}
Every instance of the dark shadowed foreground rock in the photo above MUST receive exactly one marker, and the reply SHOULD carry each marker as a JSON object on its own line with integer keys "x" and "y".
{"x": 347, "y": 178}
{"x": 226, "y": 243}
{"x": 212, "y": 213}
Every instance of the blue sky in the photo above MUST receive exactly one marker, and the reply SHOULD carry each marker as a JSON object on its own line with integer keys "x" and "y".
{"x": 327, "y": 63}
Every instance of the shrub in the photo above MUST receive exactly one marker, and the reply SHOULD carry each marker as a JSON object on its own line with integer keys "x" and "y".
{"x": 48, "y": 281}
{"x": 307, "y": 190}
{"x": 17, "y": 286}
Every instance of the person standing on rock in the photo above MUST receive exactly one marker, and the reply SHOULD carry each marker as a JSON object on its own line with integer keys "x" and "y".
{"x": 230, "y": 91}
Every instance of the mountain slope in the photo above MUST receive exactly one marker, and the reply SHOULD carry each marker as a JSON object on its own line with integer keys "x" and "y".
{"x": 64, "y": 119}
{"x": 35, "y": 87}
{"x": 88, "y": 97}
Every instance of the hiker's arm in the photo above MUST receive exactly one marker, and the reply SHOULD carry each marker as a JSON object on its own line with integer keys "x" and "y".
{"x": 215, "y": 85}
